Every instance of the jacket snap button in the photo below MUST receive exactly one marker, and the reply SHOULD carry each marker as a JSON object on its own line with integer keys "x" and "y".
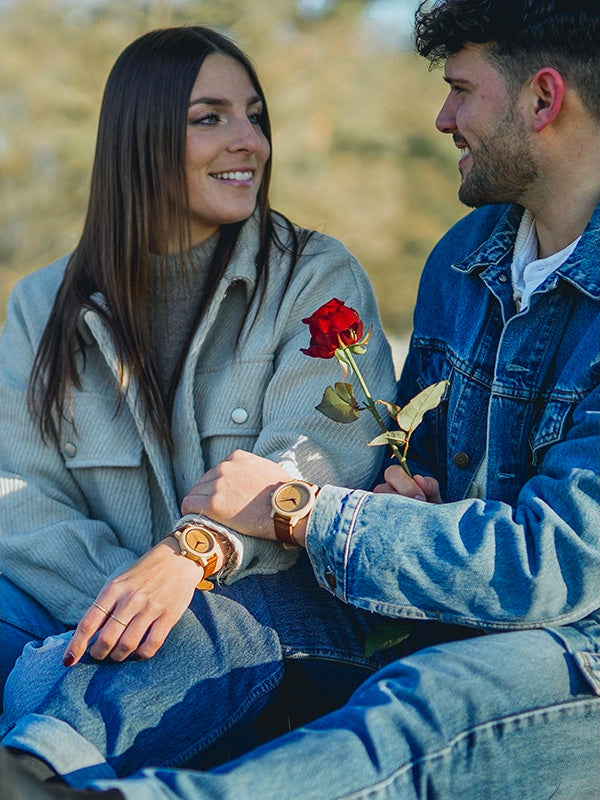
{"x": 70, "y": 450}
{"x": 460, "y": 460}
{"x": 331, "y": 579}
{"x": 239, "y": 415}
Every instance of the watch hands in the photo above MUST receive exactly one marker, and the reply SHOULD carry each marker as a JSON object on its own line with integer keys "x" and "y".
{"x": 291, "y": 500}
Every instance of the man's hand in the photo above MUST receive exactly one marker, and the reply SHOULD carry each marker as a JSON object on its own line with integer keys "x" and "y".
{"x": 134, "y": 613}
{"x": 237, "y": 493}
{"x": 418, "y": 487}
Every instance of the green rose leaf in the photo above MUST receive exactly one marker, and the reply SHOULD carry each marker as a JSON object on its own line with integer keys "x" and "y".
{"x": 413, "y": 412}
{"x": 386, "y": 635}
{"x": 395, "y": 437}
{"x": 393, "y": 409}
{"x": 339, "y": 403}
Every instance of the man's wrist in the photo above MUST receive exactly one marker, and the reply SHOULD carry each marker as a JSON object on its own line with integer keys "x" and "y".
{"x": 299, "y": 531}
{"x": 291, "y": 504}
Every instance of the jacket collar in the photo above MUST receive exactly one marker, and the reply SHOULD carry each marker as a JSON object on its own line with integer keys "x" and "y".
{"x": 580, "y": 269}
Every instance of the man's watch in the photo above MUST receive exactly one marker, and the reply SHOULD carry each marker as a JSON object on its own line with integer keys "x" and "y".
{"x": 201, "y": 545}
{"x": 291, "y": 502}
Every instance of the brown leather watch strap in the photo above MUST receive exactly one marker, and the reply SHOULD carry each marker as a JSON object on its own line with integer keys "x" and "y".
{"x": 284, "y": 531}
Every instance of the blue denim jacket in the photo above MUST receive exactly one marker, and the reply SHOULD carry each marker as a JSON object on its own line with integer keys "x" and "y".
{"x": 524, "y": 388}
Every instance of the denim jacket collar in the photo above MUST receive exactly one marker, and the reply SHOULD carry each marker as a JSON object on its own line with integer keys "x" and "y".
{"x": 580, "y": 269}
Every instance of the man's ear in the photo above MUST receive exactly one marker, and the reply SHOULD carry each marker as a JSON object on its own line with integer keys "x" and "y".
{"x": 548, "y": 89}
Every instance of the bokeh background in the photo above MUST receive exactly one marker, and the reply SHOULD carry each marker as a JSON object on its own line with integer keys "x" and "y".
{"x": 356, "y": 152}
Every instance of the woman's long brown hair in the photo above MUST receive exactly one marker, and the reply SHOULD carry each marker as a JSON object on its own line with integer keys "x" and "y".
{"x": 138, "y": 205}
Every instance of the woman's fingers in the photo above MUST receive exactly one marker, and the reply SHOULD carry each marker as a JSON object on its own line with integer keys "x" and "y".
{"x": 94, "y": 619}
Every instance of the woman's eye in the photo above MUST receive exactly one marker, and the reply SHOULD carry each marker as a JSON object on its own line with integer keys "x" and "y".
{"x": 211, "y": 118}
{"x": 256, "y": 117}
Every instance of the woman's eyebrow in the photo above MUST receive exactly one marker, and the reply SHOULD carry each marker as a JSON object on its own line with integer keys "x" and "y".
{"x": 221, "y": 101}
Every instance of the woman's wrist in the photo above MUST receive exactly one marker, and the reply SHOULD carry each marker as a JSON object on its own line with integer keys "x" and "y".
{"x": 199, "y": 542}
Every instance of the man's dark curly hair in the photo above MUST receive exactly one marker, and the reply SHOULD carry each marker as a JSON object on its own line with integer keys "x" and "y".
{"x": 523, "y": 36}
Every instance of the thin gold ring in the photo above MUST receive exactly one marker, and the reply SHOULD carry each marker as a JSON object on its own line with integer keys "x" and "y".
{"x": 100, "y": 607}
{"x": 116, "y": 619}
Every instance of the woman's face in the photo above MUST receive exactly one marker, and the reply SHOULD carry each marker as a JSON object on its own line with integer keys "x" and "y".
{"x": 226, "y": 149}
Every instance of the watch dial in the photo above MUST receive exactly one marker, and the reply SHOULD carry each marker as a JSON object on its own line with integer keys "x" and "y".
{"x": 292, "y": 497}
{"x": 198, "y": 540}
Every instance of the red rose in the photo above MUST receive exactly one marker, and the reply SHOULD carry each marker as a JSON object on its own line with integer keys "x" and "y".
{"x": 330, "y": 326}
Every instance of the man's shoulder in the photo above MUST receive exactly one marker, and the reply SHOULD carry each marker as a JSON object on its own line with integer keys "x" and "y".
{"x": 478, "y": 226}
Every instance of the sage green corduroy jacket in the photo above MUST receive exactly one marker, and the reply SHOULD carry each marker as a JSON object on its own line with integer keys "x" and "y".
{"x": 75, "y": 515}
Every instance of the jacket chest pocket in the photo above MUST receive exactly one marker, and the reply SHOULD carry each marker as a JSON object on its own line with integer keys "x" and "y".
{"x": 550, "y": 427}
{"x": 229, "y": 400}
{"x": 98, "y": 437}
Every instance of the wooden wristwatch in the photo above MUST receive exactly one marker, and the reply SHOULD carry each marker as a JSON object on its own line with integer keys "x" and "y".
{"x": 291, "y": 502}
{"x": 199, "y": 544}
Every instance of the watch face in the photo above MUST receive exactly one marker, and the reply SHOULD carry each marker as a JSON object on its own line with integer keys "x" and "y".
{"x": 292, "y": 497}
{"x": 198, "y": 541}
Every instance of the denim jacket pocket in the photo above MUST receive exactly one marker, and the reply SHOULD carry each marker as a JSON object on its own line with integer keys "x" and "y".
{"x": 550, "y": 428}
{"x": 99, "y": 435}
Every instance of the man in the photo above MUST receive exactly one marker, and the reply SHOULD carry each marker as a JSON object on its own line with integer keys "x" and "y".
{"x": 508, "y": 542}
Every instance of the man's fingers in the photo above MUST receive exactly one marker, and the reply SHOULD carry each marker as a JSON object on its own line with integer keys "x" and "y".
{"x": 430, "y": 487}
{"x": 384, "y": 488}
{"x": 402, "y": 483}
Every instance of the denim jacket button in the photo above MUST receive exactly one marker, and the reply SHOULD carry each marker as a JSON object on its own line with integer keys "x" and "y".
{"x": 331, "y": 579}
{"x": 460, "y": 460}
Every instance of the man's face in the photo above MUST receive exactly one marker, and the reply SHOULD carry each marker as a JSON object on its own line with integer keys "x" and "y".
{"x": 486, "y": 123}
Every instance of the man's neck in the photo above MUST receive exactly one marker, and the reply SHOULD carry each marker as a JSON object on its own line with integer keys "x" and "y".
{"x": 568, "y": 191}
{"x": 561, "y": 222}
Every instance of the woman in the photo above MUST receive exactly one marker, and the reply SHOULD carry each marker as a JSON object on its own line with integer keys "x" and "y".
{"x": 170, "y": 337}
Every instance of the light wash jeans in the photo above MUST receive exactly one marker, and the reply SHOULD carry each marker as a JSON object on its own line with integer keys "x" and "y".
{"x": 500, "y": 716}
{"x": 22, "y": 620}
{"x": 201, "y": 694}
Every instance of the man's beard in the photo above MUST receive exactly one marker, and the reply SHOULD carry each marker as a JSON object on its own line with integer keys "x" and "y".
{"x": 503, "y": 167}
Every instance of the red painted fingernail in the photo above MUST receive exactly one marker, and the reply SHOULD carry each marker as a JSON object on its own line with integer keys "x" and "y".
{"x": 69, "y": 659}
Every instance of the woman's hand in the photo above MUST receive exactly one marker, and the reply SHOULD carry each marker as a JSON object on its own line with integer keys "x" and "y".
{"x": 418, "y": 487}
{"x": 134, "y": 613}
{"x": 237, "y": 492}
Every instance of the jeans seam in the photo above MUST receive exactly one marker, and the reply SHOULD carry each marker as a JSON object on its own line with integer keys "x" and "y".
{"x": 489, "y": 726}
{"x": 333, "y": 657}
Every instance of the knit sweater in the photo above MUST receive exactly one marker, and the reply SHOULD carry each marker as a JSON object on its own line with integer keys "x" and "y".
{"x": 77, "y": 513}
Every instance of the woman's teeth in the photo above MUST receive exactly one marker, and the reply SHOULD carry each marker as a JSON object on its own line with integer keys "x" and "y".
{"x": 233, "y": 176}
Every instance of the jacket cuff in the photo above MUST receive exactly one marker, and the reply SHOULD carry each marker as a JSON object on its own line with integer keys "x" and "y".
{"x": 249, "y": 555}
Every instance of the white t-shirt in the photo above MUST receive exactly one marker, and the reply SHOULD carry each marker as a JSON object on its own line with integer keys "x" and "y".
{"x": 529, "y": 271}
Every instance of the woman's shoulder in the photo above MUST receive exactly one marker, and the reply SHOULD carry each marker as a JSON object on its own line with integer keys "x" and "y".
{"x": 32, "y": 297}
{"x": 314, "y": 247}
{"x": 42, "y": 281}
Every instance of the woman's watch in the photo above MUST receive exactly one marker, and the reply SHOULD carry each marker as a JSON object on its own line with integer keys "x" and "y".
{"x": 200, "y": 544}
{"x": 291, "y": 502}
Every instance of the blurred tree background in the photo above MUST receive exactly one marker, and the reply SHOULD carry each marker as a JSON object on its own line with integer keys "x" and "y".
{"x": 356, "y": 152}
